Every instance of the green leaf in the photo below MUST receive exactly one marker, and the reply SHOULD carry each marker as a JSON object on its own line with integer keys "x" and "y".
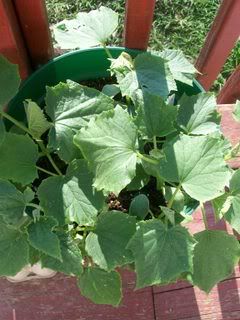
{"x": 111, "y": 90}
{"x": 234, "y": 185}
{"x": 153, "y": 74}
{"x": 70, "y": 106}
{"x": 42, "y": 237}
{"x": 107, "y": 244}
{"x": 169, "y": 214}
{"x": 37, "y": 122}
{"x": 100, "y": 286}
{"x": 109, "y": 144}
{"x": 71, "y": 258}
{"x": 197, "y": 164}
{"x": 9, "y": 81}
{"x": 140, "y": 180}
{"x": 215, "y": 256}
{"x": 181, "y": 69}
{"x": 236, "y": 112}
{"x": 198, "y": 115}
{"x": 139, "y": 206}
{"x": 14, "y": 251}
{"x": 87, "y": 30}
{"x": 12, "y": 203}
{"x": 161, "y": 254}
{"x": 2, "y": 131}
{"x": 179, "y": 201}
{"x": 158, "y": 117}
{"x": 18, "y": 157}
{"x": 77, "y": 200}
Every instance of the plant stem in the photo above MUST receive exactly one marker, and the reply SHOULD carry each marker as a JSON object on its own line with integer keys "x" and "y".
{"x": 170, "y": 203}
{"x": 107, "y": 51}
{"x": 16, "y": 122}
{"x": 39, "y": 142}
{"x": 204, "y": 215}
{"x": 155, "y": 142}
{"x": 151, "y": 213}
{"x": 149, "y": 160}
{"x": 46, "y": 171}
{"x": 48, "y": 155}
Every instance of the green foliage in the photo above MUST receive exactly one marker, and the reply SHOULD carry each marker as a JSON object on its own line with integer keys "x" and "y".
{"x": 107, "y": 183}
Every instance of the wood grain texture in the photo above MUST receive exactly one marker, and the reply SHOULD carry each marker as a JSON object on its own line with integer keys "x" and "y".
{"x": 33, "y": 20}
{"x": 59, "y": 299}
{"x": 12, "y": 45}
{"x": 219, "y": 42}
{"x": 231, "y": 89}
{"x": 138, "y": 23}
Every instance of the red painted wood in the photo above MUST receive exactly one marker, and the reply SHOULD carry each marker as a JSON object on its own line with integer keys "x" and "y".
{"x": 35, "y": 29}
{"x": 219, "y": 42}
{"x": 138, "y": 23}
{"x": 230, "y": 128}
{"x": 11, "y": 43}
{"x": 231, "y": 89}
{"x": 59, "y": 299}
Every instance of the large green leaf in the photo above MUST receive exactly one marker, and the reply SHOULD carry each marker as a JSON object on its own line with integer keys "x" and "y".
{"x": 158, "y": 117}
{"x": 161, "y": 254}
{"x": 153, "y": 74}
{"x": 14, "y": 251}
{"x": 9, "y": 81}
{"x": 71, "y": 257}
{"x": 87, "y": 30}
{"x": 42, "y": 237}
{"x": 18, "y": 157}
{"x": 100, "y": 286}
{"x": 215, "y": 256}
{"x": 197, "y": 164}
{"x": 181, "y": 69}
{"x": 12, "y": 203}
{"x": 197, "y": 114}
{"x": 70, "y": 106}
{"x": 109, "y": 143}
{"x": 107, "y": 244}
{"x": 76, "y": 201}
{"x": 37, "y": 122}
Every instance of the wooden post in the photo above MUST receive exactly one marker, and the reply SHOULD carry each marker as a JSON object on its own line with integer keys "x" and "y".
{"x": 33, "y": 19}
{"x": 11, "y": 43}
{"x": 138, "y": 23}
{"x": 231, "y": 90}
{"x": 219, "y": 42}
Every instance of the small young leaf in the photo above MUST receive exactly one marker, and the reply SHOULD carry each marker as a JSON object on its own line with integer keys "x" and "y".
{"x": 198, "y": 115}
{"x": 178, "y": 203}
{"x": 140, "y": 180}
{"x": 161, "y": 254}
{"x": 109, "y": 144}
{"x": 153, "y": 74}
{"x": 197, "y": 164}
{"x": 18, "y": 157}
{"x": 107, "y": 244}
{"x": 77, "y": 200}
{"x": 42, "y": 237}
{"x": 215, "y": 256}
{"x": 70, "y": 106}
{"x": 12, "y": 203}
{"x": 169, "y": 214}
{"x": 9, "y": 81}
{"x": 71, "y": 258}
{"x": 139, "y": 207}
{"x": 37, "y": 122}
{"x": 14, "y": 251}
{"x": 100, "y": 286}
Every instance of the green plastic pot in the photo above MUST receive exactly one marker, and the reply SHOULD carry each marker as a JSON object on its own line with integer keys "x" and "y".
{"x": 79, "y": 65}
